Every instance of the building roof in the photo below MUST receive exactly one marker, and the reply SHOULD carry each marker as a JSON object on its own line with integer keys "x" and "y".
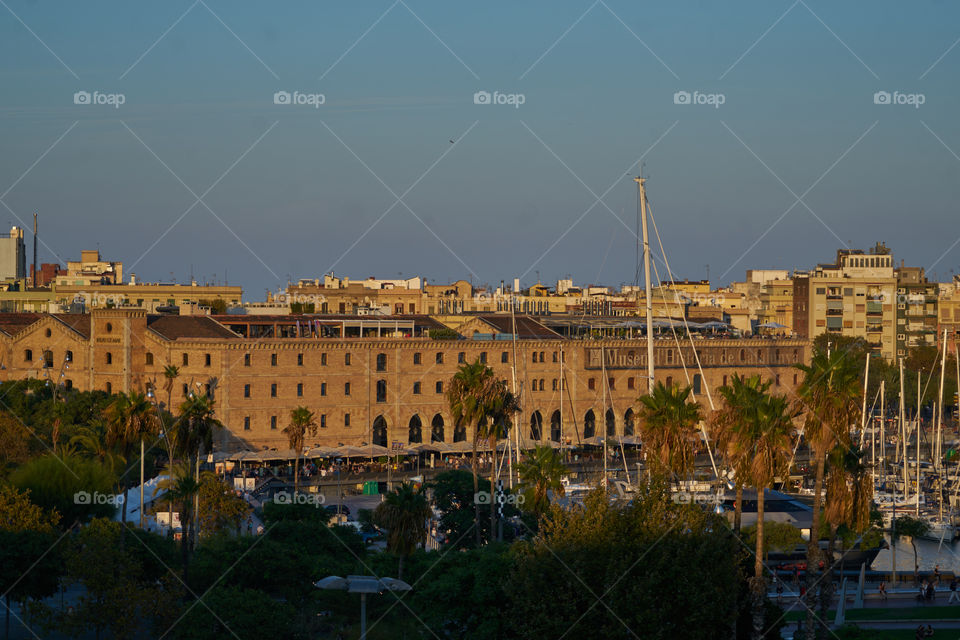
{"x": 11, "y": 323}
{"x": 175, "y": 327}
{"x": 79, "y": 322}
{"x": 526, "y": 327}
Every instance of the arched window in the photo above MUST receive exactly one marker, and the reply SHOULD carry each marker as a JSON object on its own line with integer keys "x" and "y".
{"x": 628, "y": 423}
{"x": 436, "y": 429}
{"x": 415, "y": 430}
{"x": 611, "y": 421}
{"x": 48, "y": 359}
{"x": 743, "y": 355}
{"x": 589, "y": 424}
{"x": 380, "y": 431}
{"x": 381, "y": 362}
{"x": 555, "y": 426}
{"x": 460, "y": 434}
{"x": 536, "y": 426}
{"x": 69, "y": 356}
{"x": 381, "y": 390}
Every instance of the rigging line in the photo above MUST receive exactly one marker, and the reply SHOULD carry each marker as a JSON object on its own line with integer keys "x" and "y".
{"x": 686, "y": 327}
{"x": 703, "y": 423}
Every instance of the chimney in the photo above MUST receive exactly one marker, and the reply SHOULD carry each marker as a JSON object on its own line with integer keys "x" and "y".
{"x": 34, "y": 250}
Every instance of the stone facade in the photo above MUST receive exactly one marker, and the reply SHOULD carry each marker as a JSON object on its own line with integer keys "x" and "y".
{"x": 380, "y": 390}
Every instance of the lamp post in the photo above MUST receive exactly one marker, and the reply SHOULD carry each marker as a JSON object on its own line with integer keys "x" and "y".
{"x": 363, "y": 585}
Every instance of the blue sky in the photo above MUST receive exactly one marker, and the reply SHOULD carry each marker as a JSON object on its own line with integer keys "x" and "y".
{"x": 291, "y": 191}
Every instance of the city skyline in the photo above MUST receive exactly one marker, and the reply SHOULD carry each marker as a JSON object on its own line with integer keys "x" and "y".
{"x": 792, "y": 130}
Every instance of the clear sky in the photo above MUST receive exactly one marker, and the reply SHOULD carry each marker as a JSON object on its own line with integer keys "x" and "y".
{"x": 199, "y": 168}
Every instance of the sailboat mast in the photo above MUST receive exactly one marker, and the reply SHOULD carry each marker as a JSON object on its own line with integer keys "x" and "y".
{"x": 918, "y": 444}
{"x": 883, "y": 424}
{"x": 642, "y": 191}
{"x": 943, "y": 373}
{"x": 863, "y": 413}
{"x": 903, "y": 438}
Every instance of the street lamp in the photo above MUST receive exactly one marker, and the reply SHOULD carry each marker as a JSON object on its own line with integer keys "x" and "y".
{"x": 362, "y": 585}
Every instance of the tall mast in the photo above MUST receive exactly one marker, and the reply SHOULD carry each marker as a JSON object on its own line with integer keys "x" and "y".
{"x": 883, "y": 424}
{"x": 903, "y": 437}
{"x": 640, "y": 180}
{"x": 863, "y": 414}
{"x": 943, "y": 372}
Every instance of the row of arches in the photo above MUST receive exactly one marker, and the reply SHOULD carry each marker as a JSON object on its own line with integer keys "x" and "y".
{"x": 589, "y": 424}
{"x": 415, "y": 427}
{"x": 415, "y": 430}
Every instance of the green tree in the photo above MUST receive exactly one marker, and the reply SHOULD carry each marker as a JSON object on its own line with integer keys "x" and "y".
{"x": 469, "y": 396}
{"x": 117, "y": 596}
{"x": 605, "y": 568}
{"x": 130, "y": 420}
{"x": 668, "y": 427}
{"x": 831, "y": 395}
{"x": 76, "y": 488}
{"x": 540, "y": 473}
{"x": 221, "y": 509}
{"x": 760, "y": 447}
{"x": 29, "y": 560}
{"x": 15, "y": 441}
{"x": 913, "y": 528}
{"x": 454, "y": 499}
{"x": 404, "y": 513}
{"x": 302, "y": 422}
{"x": 229, "y": 611}
{"x": 170, "y": 375}
{"x": 777, "y": 536}
{"x": 182, "y": 488}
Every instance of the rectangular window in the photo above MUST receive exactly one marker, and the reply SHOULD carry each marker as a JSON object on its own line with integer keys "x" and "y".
{"x": 504, "y": 357}
{"x": 346, "y": 419}
{"x": 323, "y": 421}
{"x": 273, "y": 359}
{"x": 612, "y": 383}
{"x": 186, "y": 359}
{"x": 299, "y": 359}
{"x": 461, "y": 357}
{"x": 246, "y": 359}
{"x": 346, "y": 388}
{"x": 346, "y": 359}
{"x": 483, "y": 357}
{"x": 778, "y": 380}
{"x": 554, "y": 384}
{"x": 439, "y": 357}
{"x": 273, "y": 422}
{"x": 416, "y": 358}
{"x": 149, "y": 358}
{"x": 246, "y": 423}
{"x": 591, "y": 384}
{"x": 631, "y": 383}
{"x": 323, "y": 359}
{"x": 416, "y": 388}
{"x": 381, "y": 390}
{"x": 299, "y": 389}
{"x": 186, "y": 389}
{"x": 273, "y": 390}
{"x": 439, "y": 386}
{"x": 696, "y": 383}
{"x": 246, "y": 391}
{"x": 206, "y": 359}
{"x": 323, "y": 388}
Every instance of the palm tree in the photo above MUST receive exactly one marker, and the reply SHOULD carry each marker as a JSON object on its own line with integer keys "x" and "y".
{"x": 738, "y": 397}
{"x": 90, "y": 441}
{"x": 500, "y": 409}
{"x": 540, "y": 473}
{"x": 467, "y": 395}
{"x": 301, "y": 423}
{"x": 193, "y": 431}
{"x": 130, "y": 418}
{"x": 830, "y": 394}
{"x": 404, "y": 513}
{"x": 668, "y": 425}
{"x": 171, "y": 373}
{"x": 849, "y": 496}
{"x": 182, "y": 489}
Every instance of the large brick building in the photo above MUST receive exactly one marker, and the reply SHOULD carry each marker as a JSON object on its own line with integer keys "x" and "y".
{"x": 379, "y": 380}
